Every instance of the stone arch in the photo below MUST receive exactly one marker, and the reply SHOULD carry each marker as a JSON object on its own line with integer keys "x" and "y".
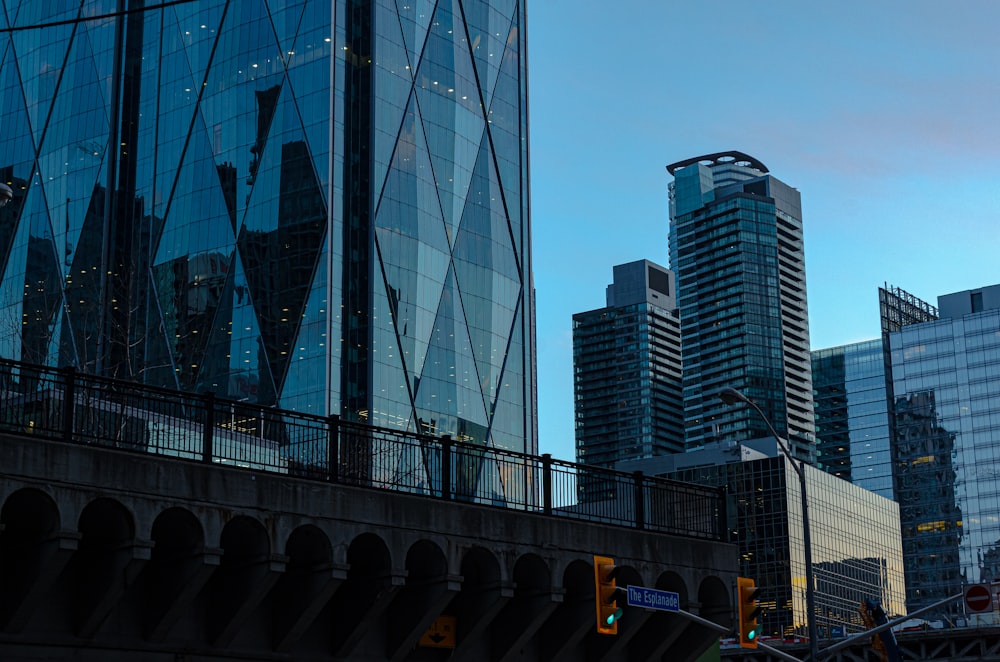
{"x": 578, "y": 581}
{"x": 577, "y": 607}
{"x": 425, "y": 561}
{"x": 308, "y": 546}
{"x": 715, "y": 599}
{"x": 307, "y": 583}
{"x": 528, "y": 608}
{"x": 627, "y": 575}
{"x": 107, "y": 546}
{"x": 176, "y": 532}
{"x": 31, "y": 551}
{"x": 243, "y": 537}
{"x": 368, "y": 556}
{"x": 28, "y": 512}
{"x": 243, "y": 578}
{"x": 370, "y": 584}
{"x": 105, "y": 521}
{"x": 177, "y": 569}
{"x": 480, "y": 567}
{"x": 482, "y": 594}
{"x": 532, "y": 574}
{"x": 426, "y": 591}
{"x": 671, "y": 581}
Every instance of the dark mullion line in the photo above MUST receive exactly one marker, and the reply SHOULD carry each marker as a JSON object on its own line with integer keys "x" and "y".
{"x": 99, "y": 17}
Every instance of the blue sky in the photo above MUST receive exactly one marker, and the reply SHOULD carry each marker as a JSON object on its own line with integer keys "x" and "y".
{"x": 884, "y": 115}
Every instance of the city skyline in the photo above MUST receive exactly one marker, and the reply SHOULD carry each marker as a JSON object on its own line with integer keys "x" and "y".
{"x": 885, "y": 124}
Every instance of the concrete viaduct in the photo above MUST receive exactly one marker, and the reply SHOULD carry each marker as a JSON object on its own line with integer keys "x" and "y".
{"x": 112, "y": 555}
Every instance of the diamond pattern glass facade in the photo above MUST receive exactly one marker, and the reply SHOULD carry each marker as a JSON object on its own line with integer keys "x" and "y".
{"x": 313, "y": 204}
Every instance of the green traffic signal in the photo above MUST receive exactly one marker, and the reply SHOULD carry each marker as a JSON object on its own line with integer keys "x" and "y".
{"x": 748, "y": 611}
{"x": 606, "y": 594}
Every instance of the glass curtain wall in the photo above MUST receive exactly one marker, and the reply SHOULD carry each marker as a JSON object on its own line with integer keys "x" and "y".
{"x": 311, "y": 204}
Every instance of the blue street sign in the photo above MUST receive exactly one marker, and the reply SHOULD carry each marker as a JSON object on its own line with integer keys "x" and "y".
{"x": 651, "y": 598}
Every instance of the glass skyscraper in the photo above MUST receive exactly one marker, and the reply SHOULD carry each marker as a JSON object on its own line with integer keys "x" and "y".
{"x": 946, "y": 418}
{"x": 736, "y": 248}
{"x": 936, "y": 438}
{"x": 852, "y": 421}
{"x": 315, "y": 204}
{"x": 627, "y": 370}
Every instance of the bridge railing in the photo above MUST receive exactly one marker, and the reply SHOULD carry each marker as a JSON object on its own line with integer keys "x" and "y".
{"x": 67, "y": 405}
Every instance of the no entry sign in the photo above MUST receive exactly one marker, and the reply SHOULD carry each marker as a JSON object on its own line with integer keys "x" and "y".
{"x": 978, "y": 599}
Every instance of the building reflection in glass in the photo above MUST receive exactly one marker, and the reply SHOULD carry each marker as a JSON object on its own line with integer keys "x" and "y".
{"x": 852, "y": 424}
{"x": 856, "y": 542}
{"x": 316, "y": 205}
{"x": 946, "y": 383}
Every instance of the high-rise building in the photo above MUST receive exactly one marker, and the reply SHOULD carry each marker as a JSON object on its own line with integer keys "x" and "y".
{"x": 736, "y": 249}
{"x": 627, "y": 370}
{"x": 855, "y": 535}
{"x": 935, "y": 437}
{"x": 852, "y": 389}
{"x": 946, "y": 443}
{"x": 852, "y": 420}
{"x": 321, "y": 205}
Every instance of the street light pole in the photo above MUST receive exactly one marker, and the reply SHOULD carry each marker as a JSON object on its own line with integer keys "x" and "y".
{"x": 731, "y": 396}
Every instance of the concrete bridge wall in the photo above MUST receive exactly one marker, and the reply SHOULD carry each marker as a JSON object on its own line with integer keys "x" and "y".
{"x": 109, "y": 555}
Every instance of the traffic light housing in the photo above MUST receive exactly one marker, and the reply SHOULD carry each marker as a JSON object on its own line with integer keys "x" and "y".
{"x": 606, "y": 595}
{"x": 749, "y": 611}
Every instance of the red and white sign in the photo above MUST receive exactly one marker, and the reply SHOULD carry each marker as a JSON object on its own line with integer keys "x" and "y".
{"x": 978, "y": 599}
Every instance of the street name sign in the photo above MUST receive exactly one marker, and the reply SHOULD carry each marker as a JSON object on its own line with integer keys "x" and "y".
{"x": 651, "y": 598}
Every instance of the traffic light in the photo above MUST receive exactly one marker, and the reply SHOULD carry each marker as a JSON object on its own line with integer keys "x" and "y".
{"x": 748, "y": 610}
{"x": 606, "y": 594}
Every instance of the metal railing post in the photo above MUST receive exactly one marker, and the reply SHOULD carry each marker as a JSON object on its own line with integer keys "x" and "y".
{"x": 209, "y": 428}
{"x": 69, "y": 402}
{"x": 547, "y": 483}
{"x": 640, "y": 501}
{"x": 446, "y": 468}
{"x": 722, "y": 516}
{"x": 333, "y": 447}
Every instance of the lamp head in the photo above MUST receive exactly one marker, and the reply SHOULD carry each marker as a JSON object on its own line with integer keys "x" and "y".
{"x": 731, "y": 396}
{"x": 6, "y": 193}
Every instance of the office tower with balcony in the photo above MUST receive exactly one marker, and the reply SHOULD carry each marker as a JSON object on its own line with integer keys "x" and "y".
{"x": 320, "y": 205}
{"x": 736, "y": 248}
{"x": 627, "y": 370}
